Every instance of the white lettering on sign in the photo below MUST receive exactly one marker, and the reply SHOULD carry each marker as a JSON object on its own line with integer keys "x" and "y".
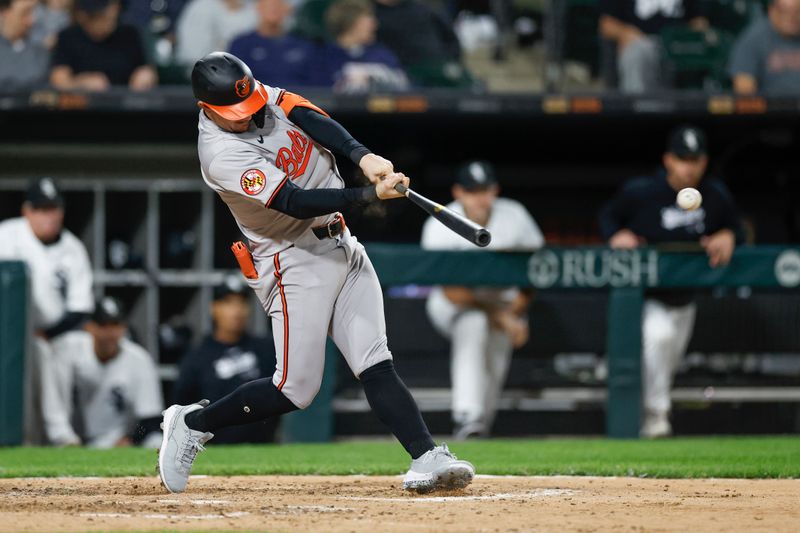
{"x": 787, "y": 268}
{"x": 594, "y": 268}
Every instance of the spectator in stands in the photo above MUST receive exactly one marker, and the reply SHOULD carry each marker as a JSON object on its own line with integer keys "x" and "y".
{"x": 644, "y": 212}
{"x": 226, "y": 359}
{"x": 354, "y": 62}
{"x": 156, "y": 18}
{"x": 97, "y": 52}
{"x": 766, "y": 57}
{"x": 23, "y": 60}
{"x": 276, "y": 57}
{"x": 634, "y": 26}
{"x": 52, "y": 16}
{"x": 209, "y": 25}
{"x": 422, "y": 39}
{"x": 113, "y": 381}
{"x": 61, "y": 289}
{"x": 483, "y": 324}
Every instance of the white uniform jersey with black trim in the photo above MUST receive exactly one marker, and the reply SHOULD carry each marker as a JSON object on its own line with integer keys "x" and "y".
{"x": 111, "y": 397}
{"x": 61, "y": 275}
{"x": 512, "y": 229}
{"x": 247, "y": 170}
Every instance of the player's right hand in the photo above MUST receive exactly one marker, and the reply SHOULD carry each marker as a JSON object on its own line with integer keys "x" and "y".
{"x": 375, "y": 167}
{"x": 385, "y": 188}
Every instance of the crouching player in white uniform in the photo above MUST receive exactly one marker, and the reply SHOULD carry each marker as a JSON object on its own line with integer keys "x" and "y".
{"x": 484, "y": 324}
{"x": 265, "y": 151}
{"x": 114, "y": 382}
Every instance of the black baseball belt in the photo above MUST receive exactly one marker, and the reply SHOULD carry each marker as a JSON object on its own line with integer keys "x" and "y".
{"x": 331, "y": 230}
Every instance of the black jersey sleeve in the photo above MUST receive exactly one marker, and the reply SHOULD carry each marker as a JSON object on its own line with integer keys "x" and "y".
{"x": 729, "y": 214}
{"x": 308, "y": 203}
{"x": 616, "y": 212}
{"x": 328, "y": 133}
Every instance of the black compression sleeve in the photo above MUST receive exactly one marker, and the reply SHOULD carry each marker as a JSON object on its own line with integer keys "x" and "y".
{"x": 308, "y": 203}
{"x": 328, "y": 133}
{"x": 69, "y": 321}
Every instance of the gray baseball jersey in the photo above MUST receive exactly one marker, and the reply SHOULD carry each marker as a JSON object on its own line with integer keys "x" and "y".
{"x": 61, "y": 276}
{"x": 247, "y": 170}
{"x": 310, "y": 287}
{"x": 111, "y": 396}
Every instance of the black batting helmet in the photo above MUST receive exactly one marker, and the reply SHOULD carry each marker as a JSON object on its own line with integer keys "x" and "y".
{"x": 224, "y": 83}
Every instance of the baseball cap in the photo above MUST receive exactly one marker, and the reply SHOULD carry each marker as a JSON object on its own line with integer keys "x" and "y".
{"x": 108, "y": 310}
{"x": 92, "y": 6}
{"x": 687, "y": 141}
{"x": 476, "y": 175}
{"x": 231, "y": 285}
{"x": 43, "y": 192}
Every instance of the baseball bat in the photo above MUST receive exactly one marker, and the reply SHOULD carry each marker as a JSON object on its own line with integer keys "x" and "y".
{"x": 471, "y": 231}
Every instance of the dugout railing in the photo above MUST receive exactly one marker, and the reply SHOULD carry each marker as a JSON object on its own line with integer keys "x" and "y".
{"x": 626, "y": 274}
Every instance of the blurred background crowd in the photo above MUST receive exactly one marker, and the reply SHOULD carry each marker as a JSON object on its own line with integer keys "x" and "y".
{"x": 634, "y": 46}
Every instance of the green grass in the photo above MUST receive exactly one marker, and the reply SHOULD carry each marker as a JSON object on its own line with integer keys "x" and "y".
{"x": 741, "y": 457}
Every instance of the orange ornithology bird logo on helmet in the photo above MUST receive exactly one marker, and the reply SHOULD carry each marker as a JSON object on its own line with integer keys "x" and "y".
{"x": 253, "y": 181}
{"x": 242, "y": 87}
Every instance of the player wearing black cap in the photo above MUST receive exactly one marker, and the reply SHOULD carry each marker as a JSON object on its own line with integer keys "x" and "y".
{"x": 226, "y": 359}
{"x": 644, "y": 212}
{"x": 483, "y": 324}
{"x": 61, "y": 298}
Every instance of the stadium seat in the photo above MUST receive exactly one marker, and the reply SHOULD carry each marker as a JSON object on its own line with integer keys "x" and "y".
{"x": 310, "y": 20}
{"x": 696, "y": 59}
{"x": 733, "y": 15}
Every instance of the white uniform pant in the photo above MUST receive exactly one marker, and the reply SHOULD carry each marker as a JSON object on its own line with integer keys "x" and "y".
{"x": 315, "y": 289}
{"x": 48, "y": 398}
{"x": 480, "y": 357}
{"x": 666, "y": 331}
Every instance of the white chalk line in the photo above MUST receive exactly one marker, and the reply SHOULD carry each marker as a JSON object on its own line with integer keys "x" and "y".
{"x": 193, "y": 502}
{"x": 542, "y": 493}
{"x": 319, "y": 508}
{"x": 160, "y": 516}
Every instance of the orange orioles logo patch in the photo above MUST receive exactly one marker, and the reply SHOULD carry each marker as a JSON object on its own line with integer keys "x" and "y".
{"x": 242, "y": 87}
{"x": 253, "y": 181}
{"x": 294, "y": 159}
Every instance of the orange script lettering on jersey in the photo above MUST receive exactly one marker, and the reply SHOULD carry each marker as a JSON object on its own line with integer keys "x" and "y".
{"x": 294, "y": 159}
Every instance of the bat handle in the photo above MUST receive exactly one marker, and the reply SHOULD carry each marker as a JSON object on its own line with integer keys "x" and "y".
{"x": 402, "y": 189}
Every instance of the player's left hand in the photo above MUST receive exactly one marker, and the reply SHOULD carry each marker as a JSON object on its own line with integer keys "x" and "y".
{"x": 385, "y": 188}
{"x": 375, "y": 167}
{"x": 719, "y": 247}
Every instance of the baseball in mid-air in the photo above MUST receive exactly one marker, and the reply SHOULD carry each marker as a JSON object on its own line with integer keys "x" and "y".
{"x": 689, "y": 198}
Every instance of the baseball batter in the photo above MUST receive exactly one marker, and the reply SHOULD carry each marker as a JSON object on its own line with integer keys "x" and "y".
{"x": 61, "y": 290}
{"x": 484, "y": 324}
{"x": 267, "y": 153}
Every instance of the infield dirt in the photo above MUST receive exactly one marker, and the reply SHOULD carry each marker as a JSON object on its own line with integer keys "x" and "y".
{"x": 376, "y": 504}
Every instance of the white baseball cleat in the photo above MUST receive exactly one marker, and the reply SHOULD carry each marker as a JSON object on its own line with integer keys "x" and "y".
{"x": 179, "y": 446}
{"x": 438, "y": 469}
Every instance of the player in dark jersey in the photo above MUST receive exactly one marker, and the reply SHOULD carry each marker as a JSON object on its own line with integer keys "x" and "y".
{"x": 644, "y": 212}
